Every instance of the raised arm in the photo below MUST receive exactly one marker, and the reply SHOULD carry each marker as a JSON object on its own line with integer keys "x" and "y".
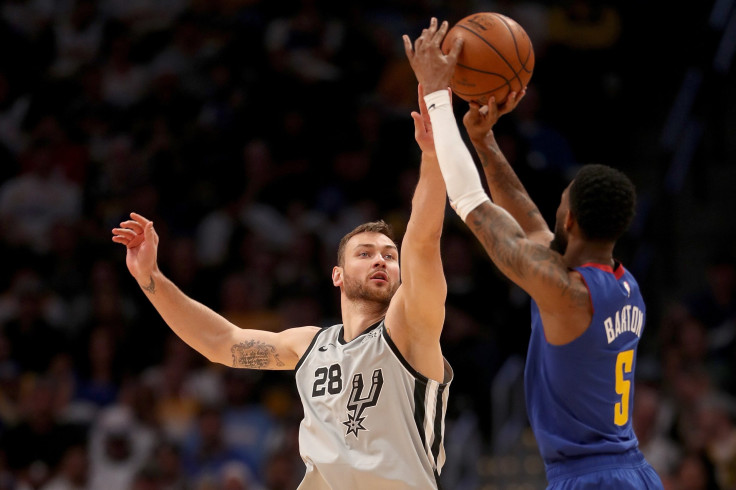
{"x": 207, "y": 332}
{"x": 506, "y": 189}
{"x": 417, "y": 312}
{"x": 534, "y": 267}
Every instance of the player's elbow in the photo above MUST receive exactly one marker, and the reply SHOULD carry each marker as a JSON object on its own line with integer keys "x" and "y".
{"x": 217, "y": 349}
{"x": 215, "y": 356}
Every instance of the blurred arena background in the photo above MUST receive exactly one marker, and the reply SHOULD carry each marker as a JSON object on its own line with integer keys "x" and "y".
{"x": 255, "y": 134}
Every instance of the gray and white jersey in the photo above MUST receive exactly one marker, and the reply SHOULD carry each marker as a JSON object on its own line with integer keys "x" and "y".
{"x": 370, "y": 420}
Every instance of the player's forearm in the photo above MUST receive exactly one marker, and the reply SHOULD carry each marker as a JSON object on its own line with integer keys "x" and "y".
{"x": 462, "y": 181}
{"x": 423, "y": 287}
{"x": 201, "y": 328}
{"x": 506, "y": 189}
{"x": 428, "y": 203}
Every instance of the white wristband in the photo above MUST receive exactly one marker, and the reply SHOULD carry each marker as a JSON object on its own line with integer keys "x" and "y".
{"x": 463, "y": 183}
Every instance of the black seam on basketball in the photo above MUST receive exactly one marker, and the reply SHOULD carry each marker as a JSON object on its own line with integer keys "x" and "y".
{"x": 516, "y": 46}
{"x": 476, "y": 94}
{"x": 478, "y": 70}
{"x": 506, "y": 83}
{"x": 516, "y": 75}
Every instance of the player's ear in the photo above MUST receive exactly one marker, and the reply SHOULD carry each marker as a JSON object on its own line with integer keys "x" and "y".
{"x": 337, "y": 276}
{"x": 569, "y": 220}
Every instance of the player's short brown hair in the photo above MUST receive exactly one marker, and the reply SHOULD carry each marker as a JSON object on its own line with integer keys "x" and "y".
{"x": 379, "y": 226}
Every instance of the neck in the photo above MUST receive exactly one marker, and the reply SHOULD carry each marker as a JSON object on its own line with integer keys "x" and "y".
{"x": 359, "y": 315}
{"x": 585, "y": 252}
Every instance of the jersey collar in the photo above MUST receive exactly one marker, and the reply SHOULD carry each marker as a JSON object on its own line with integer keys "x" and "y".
{"x": 341, "y": 336}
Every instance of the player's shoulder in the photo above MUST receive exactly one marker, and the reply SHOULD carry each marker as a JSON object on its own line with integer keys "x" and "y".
{"x": 578, "y": 292}
{"x": 304, "y": 341}
{"x": 299, "y": 338}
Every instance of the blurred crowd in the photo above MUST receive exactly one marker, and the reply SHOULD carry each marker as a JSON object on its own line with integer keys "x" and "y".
{"x": 255, "y": 134}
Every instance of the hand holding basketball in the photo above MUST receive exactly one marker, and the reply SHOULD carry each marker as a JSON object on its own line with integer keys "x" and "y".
{"x": 480, "y": 119}
{"x": 497, "y": 57}
{"x": 432, "y": 67}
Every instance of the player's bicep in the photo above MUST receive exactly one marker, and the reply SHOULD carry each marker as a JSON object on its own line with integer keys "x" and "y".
{"x": 259, "y": 349}
{"x": 532, "y": 265}
{"x": 423, "y": 287}
{"x": 535, "y": 268}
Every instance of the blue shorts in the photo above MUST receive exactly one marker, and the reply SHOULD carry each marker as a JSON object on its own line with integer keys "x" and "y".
{"x": 627, "y": 471}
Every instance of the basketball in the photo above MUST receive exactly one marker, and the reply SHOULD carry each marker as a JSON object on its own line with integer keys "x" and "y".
{"x": 497, "y": 57}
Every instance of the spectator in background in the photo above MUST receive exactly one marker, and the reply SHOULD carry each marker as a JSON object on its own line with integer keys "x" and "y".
{"x": 237, "y": 476}
{"x": 584, "y": 36}
{"x": 306, "y": 43}
{"x": 38, "y": 442}
{"x": 28, "y": 318}
{"x": 206, "y": 452}
{"x": 175, "y": 404}
{"x": 122, "y": 439}
{"x": 72, "y": 472}
{"x": 9, "y": 387}
{"x": 715, "y": 308}
{"x": 123, "y": 81}
{"x": 171, "y": 143}
{"x": 182, "y": 60}
{"x": 715, "y": 305}
{"x": 14, "y": 103}
{"x": 168, "y": 459}
{"x": 281, "y": 473}
{"x": 33, "y": 201}
{"x": 147, "y": 478}
{"x": 99, "y": 375}
{"x": 715, "y": 418}
{"x": 694, "y": 472}
{"x": 78, "y": 38}
{"x": 650, "y": 422}
{"x": 248, "y": 426}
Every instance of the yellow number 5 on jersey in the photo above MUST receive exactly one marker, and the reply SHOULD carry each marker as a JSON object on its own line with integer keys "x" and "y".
{"x": 624, "y": 362}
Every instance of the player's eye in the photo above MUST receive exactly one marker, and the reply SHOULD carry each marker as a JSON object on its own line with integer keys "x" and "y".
{"x": 389, "y": 256}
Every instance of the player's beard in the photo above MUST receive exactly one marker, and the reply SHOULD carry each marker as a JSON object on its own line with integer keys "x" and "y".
{"x": 559, "y": 242}
{"x": 356, "y": 290}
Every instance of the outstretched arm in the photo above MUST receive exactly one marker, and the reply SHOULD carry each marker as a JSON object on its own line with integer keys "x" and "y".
{"x": 201, "y": 328}
{"x": 417, "y": 312}
{"x": 506, "y": 189}
{"x": 534, "y": 267}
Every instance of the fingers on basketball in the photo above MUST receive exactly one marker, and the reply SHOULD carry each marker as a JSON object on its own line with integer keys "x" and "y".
{"x": 496, "y": 57}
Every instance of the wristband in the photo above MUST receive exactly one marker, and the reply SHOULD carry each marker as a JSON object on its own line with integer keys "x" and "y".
{"x": 462, "y": 181}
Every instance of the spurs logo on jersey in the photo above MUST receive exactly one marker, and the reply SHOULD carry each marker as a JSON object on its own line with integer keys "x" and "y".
{"x": 356, "y": 404}
{"x": 370, "y": 420}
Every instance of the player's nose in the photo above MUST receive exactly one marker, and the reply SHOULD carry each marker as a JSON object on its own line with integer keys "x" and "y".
{"x": 379, "y": 261}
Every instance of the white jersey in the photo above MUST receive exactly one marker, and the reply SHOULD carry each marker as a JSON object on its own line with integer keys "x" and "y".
{"x": 370, "y": 420}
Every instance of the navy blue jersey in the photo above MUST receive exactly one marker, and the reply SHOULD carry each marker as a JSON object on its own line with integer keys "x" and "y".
{"x": 579, "y": 395}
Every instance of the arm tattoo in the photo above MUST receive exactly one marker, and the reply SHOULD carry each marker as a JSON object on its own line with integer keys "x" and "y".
{"x": 254, "y": 354}
{"x": 523, "y": 260}
{"x": 498, "y": 170}
{"x": 151, "y": 287}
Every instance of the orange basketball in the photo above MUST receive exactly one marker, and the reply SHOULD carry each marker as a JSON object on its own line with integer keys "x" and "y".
{"x": 497, "y": 57}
